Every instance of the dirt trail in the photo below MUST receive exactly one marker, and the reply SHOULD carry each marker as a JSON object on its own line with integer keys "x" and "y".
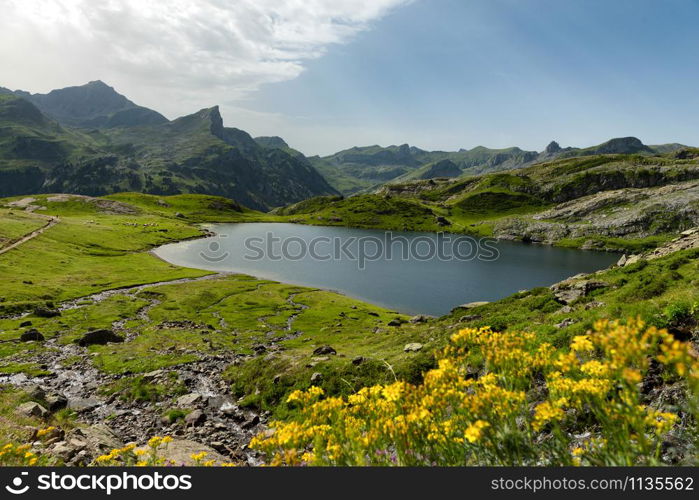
{"x": 52, "y": 221}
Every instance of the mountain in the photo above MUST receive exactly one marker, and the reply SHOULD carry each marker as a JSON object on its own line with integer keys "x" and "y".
{"x": 95, "y": 104}
{"x": 129, "y": 150}
{"x": 362, "y": 169}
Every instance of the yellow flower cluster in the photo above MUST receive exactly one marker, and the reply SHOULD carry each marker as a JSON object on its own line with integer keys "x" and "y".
{"x": 491, "y": 399}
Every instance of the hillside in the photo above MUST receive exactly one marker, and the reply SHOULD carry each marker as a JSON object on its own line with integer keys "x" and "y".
{"x": 105, "y": 344}
{"x": 126, "y": 149}
{"x": 613, "y": 202}
{"x": 361, "y": 169}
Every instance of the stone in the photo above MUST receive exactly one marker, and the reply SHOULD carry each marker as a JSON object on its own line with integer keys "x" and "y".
{"x": 98, "y": 438}
{"x": 35, "y": 392}
{"x": 45, "y": 312}
{"x": 252, "y": 422}
{"x": 471, "y": 305}
{"x": 180, "y": 215}
{"x": 358, "y": 360}
{"x": 55, "y": 401}
{"x": 277, "y": 378}
{"x": 180, "y": 451}
{"x": 566, "y": 322}
{"x": 325, "y": 349}
{"x": 316, "y": 378}
{"x": 396, "y": 322}
{"x": 99, "y": 337}
{"x": 151, "y": 376}
{"x": 189, "y": 400}
{"x": 31, "y": 335}
{"x": 83, "y": 404}
{"x": 25, "y": 324}
{"x": 413, "y": 347}
{"x": 593, "y": 305}
{"x": 63, "y": 450}
{"x": 569, "y": 291}
{"x": 195, "y": 418}
{"x": 32, "y": 409}
{"x": 622, "y": 261}
{"x": 420, "y": 318}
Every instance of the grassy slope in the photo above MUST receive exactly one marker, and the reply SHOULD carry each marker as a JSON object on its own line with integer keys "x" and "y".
{"x": 231, "y": 315}
{"x": 478, "y": 205}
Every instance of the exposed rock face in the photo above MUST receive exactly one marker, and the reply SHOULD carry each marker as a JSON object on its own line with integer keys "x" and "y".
{"x": 553, "y": 147}
{"x": 569, "y": 291}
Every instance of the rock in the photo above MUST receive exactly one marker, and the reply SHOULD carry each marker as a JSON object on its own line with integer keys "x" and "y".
{"x": 442, "y": 221}
{"x": 35, "y": 392}
{"x": 259, "y": 349}
{"x": 277, "y": 378}
{"x": 358, "y": 360}
{"x": 32, "y": 409}
{"x": 372, "y": 313}
{"x": 180, "y": 215}
{"x": 566, "y": 322}
{"x": 471, "y": 305}
{"x": 420, "y": 318}
{"x": 413, "y": 347}
{"x": 622, "y": 261}
{"x": 55, "y": 401}
{"x": 689, "y": 232}
{"x": 180, "y": 451}
{"x": 594, "y": 304}
{"x": 32, "y": 335}
{"x": 396, "y": 322}
{"x": 83, "y": 404}
{"x": 63, "y": 450}
{"x": 45, "y": 312}
{"x": 25, "y": 324}
{"x": 151, "y": 376}
{"x": 325, "y": 349}
{"x": 189, "y": 400}
{"x": 99, "y": 337}
{"x": 252, "y": 422}
{"x": 569, "y": 291}
{"x": 316, "y": 378}
{"x": 195, "y": 418}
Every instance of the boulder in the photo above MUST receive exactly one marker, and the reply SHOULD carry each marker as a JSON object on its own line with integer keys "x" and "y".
{"x": 98, "y": 438}
{"x": 31, "y": 335}
{"x": 45, "y": 312}
{"x": 413, "y": 347}
{"x": 325, "y": 349}
{"x": 420, "y": 318}
{"x": 83, "y": 404}
{"x": 316, "y": 378}
{"x": 32, "y": 409}
{"x": 25, "y": 324}
{"x": 55, "y": 401}
{"x": 189, "y": 400}
{"x": 195, "y": 418}
{"x": 180, "y": 451}
{"x": 396, "y": 322}
{"x": 567, "y": 291}
{"x": 99, "y": 337}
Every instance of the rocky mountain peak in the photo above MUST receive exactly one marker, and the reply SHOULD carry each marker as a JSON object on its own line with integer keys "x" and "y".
{"x": 553, "y": 147}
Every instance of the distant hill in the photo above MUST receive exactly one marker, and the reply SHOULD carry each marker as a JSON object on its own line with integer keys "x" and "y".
{"x": 363, "y": 169}
{"x": 119, "y": 146}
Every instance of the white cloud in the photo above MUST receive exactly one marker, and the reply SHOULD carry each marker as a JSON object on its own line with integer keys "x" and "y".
{"x": 173, "y": 55}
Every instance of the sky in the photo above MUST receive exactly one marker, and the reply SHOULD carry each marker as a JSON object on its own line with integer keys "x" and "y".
{"x": 331, "y": 74}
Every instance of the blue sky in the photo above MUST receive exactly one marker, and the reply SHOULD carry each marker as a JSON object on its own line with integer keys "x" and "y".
{"x": 446, "y": 74}
{"x": 330, "y": 74}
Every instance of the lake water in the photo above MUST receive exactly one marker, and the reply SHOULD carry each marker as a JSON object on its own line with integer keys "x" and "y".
{"x": 424, "y": 273}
